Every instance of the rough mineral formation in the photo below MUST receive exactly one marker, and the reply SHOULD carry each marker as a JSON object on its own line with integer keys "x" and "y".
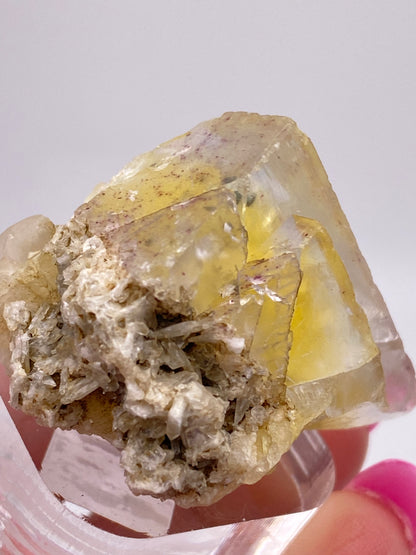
{"x": 200, "y": 310}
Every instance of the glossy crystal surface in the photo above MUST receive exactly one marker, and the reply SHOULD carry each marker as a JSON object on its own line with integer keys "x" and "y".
{"x": 200, "y": 310}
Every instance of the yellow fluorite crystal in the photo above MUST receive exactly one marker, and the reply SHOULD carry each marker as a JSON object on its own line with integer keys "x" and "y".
{"x": 200, "y": 310}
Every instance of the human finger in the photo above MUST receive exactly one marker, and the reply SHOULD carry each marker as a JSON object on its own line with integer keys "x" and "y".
{"x": 376, "y": 514}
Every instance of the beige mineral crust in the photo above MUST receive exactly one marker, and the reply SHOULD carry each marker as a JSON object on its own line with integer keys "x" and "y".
{"x": 199, "y": 311}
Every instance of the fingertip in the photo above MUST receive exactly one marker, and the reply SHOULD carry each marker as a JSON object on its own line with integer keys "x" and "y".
{"x": 376, "y": 513}
{"x": 392, "y": 482}
{"x": 352, "y": 523}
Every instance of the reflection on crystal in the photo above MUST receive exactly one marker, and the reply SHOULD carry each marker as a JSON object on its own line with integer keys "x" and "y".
{"x": 100, "y": 485}
{"x": 200, "y": 310}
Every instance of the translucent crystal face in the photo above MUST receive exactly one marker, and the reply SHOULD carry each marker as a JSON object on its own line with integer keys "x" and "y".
{"x": 200, "y": 310}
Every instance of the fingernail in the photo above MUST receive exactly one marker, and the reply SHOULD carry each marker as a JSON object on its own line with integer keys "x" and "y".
{"x": 392, "y": 482}
{"x": 372, "y": 426}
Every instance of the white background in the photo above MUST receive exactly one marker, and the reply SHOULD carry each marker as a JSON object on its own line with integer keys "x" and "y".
{"x": 85, "y": 85}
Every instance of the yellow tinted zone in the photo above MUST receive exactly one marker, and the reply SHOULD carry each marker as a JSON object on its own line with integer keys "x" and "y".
{"x": 330, "y": 330}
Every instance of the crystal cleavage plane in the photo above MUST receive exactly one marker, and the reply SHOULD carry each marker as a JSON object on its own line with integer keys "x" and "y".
{"x": 199, "y": 311}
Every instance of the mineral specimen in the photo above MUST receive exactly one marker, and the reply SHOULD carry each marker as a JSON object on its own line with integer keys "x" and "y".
{"x": 200, "y": 310}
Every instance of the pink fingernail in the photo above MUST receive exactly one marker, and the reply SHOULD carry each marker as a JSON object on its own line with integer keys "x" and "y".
{"x": 394, "y": 483}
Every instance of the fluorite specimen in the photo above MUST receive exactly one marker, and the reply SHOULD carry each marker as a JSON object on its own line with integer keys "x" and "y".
{"x": 200, "y": 310}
